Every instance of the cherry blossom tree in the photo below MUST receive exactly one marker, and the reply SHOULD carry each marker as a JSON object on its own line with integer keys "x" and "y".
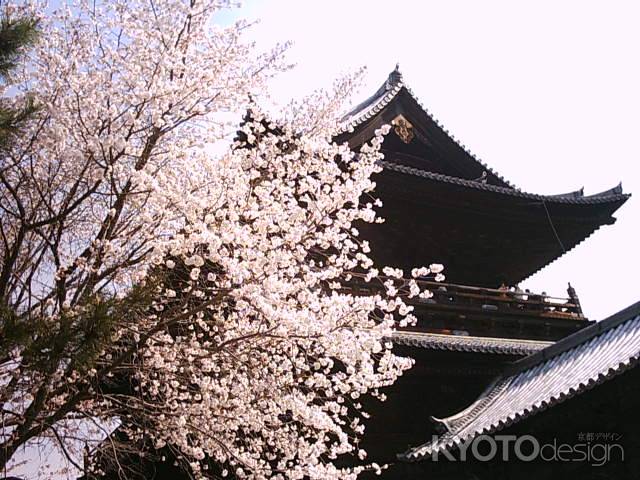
{"x": 172, "y": 289}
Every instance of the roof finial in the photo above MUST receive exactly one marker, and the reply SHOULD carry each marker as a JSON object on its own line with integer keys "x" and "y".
{"x": 395, "y": 77}
{"x": 618, "y": 188}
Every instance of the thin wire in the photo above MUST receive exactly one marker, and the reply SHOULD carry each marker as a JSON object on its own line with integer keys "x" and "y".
{"x": 555, "y": 232}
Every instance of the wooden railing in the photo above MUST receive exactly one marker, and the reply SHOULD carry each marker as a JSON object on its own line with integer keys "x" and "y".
{"x": 480, "y": 299}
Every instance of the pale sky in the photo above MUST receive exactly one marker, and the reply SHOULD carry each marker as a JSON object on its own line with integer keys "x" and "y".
{"x": 547, "y": 93}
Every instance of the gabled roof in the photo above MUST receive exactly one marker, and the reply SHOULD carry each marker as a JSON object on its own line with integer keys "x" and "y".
{"x": 468, "y": 343}
{"x": 394, "y": 89}
{"x": 568, "y": 368}
{"x": 459, "y": 211}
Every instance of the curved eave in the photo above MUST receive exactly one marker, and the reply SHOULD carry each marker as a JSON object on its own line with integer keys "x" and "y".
{"x": 542, "y": 267}
{"x": 451, "y": 441}
{"x": 611, "y": 199}
{"x": 467, "y": 343}
{"x": 600, "y": 198}
{"x": 393, "y": 88}
{"x": 593, "y": 356}
{"x": 522, "y": 232}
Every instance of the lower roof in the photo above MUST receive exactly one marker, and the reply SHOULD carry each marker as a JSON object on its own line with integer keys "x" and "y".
{"x": 568, "y": 368}
{"x": 469, "y": 343}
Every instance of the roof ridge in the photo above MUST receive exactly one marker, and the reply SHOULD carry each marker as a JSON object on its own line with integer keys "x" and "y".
{"x": 394, "y": 84}
{"x": 562, "y": 198}
{"x": 381, "y": 98}
{"x": 455, "y": 140}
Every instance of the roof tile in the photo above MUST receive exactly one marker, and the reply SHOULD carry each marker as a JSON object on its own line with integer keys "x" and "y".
{"x": 570, "y": 367}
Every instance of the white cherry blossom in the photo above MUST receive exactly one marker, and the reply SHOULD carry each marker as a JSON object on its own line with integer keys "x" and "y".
{"x": 237, "y": 346}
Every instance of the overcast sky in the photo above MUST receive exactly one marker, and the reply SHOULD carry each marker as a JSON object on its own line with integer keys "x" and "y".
{"x": 545, "y": 93}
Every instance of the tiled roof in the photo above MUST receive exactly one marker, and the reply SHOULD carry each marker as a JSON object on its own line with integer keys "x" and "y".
{"x": 383, "y": 96}
{"x": 375, "y": 103}
{"x": 575, "y": 225}
{"x": 613, "y": 195}
{"x": 393, "y": 86}
{"x": 567, "y": 368}
{"x": 467, "y": 343}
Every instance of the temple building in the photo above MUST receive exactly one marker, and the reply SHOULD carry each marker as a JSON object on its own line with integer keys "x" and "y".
{"x": 442, "y": 204}
{"x": 488, "y": 355}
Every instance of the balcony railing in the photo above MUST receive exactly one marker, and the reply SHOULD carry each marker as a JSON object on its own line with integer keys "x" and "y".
{"x": 448, "y": 296}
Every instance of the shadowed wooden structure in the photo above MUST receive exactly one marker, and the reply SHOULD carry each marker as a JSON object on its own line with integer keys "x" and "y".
{"x": 441, "y": 204}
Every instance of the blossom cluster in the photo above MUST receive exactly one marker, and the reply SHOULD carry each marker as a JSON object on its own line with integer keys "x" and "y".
{"x": 267, "y": 378}
{"x": 253, "y": 353}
